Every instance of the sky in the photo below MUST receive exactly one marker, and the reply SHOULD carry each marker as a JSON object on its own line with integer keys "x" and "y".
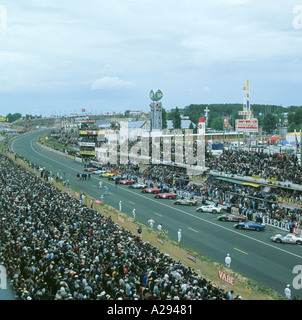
{"x": 61, "y": 56}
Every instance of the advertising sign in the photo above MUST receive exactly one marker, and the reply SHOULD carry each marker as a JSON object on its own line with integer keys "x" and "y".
{"x": 247, "y": 125}
{"x": 226, "y": 122}
{"x": 226, "y": 278}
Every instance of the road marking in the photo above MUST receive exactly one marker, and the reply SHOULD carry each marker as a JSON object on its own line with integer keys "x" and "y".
{"x": 176, "y": 209}
{"x": 131, "y": 202}
{"x": 241, "y": 251}
{"x": 193, "y": 230}
{"x": 157, "y": 214}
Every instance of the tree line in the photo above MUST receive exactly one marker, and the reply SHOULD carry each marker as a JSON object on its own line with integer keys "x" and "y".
{"x": 270, "y": 117}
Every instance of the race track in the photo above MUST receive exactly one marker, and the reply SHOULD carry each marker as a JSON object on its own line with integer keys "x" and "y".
{"x": 253, "y": 254}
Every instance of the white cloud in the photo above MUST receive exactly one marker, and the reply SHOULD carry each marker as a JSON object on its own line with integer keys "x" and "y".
{"x": 111, "y": 83}
{"x": 56, "y": 47}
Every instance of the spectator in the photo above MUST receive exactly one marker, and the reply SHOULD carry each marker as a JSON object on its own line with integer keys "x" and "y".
{"x": 56, "y": 248}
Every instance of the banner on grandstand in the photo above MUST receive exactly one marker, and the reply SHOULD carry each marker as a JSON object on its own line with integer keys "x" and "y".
{"x": 88, "y": 153}
{"x": 86, "y": 144}
{"x": 290, "y": 203}
{"x": 197, "y": 179}
{"x": 82, "y": 132}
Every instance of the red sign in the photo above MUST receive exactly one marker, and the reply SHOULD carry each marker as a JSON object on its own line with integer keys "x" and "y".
{"x": 247, "y": 125}
{"x": 226, "y": 121}
{"x": 244, "y": 113}
{"x": 226, "y": 278}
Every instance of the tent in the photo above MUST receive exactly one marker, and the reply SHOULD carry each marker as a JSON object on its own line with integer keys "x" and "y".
{"x": 293, "y": 143}
{"x": 282, "y": 143}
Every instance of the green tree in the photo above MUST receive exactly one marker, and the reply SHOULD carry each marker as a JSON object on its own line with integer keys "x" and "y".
{"x": 295, "y": 120}
{"x": 269, "y": 123}
{"x": 164, "y": 118}
{"x": 13, "y": 117}
{"x": 217, "y": 123}
{"x": 176, "y": 119}
{"x": 127, "y": 113}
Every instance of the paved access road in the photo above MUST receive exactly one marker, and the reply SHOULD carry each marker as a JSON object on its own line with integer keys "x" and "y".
{"x": 252, "y": 253}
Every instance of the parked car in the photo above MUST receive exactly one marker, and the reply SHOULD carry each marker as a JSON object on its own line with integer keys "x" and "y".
{"x": 209, "y": 208}
{"x": 98, "y": 171}
{"x": 126, "y": 181}
{"x": 287, "y": 238}
{"x": 151, "y": 190}
{"x": 90, "y": 169}
{"x": 186, "y": 202}
{"x": 115, "y": 178}
{"x": 250, "y": 225}
{"x": 166, "y": 195}
{"x": 231, "y": 217}
{"x": 137, "y": 186}
{"x": 107, "y": 175}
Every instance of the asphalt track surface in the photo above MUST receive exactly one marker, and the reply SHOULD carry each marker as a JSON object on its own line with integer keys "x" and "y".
{"x": 253, "y": 254}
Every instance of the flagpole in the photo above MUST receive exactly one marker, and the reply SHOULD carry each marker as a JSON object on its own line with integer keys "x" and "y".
{"x": 296, "y": 142}
{"x": 300, "y": 148}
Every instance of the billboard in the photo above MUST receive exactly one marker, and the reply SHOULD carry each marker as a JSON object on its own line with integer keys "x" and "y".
{"x": 247, "y": 125}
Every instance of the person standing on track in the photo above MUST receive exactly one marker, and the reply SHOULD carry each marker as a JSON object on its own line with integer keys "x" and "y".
{"x": 179, "y": 235}
{"x": 287, "y": 292}
{"x": 151, "y": 222}
{"x": 228, "y": 261}
{"x": 160, "y": 228}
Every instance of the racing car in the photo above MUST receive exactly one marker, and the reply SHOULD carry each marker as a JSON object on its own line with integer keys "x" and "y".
{"x": 90, "y": 169}
{"x": 209, "y": 208}
{"x": 126, "y": 181}
{"x": 107, "y": 175}
{"x": 287, "y": 238}
{"x": 166, "y": 195}
{"x": 115, "y": 178}
{"x": 186, "y": 202}
{"x": 231, "y": 217}
{"x": 151, "y": 190}
{"x": 137, "y": 186}
{"x": 98, "y": 171}
{"x": 250, "y": 225}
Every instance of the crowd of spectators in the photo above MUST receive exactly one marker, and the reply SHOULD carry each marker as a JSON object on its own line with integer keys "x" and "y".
{"x": 55, "y": 248}
{"x": 282, "y": 167}
{"x": 250, "y": 201}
